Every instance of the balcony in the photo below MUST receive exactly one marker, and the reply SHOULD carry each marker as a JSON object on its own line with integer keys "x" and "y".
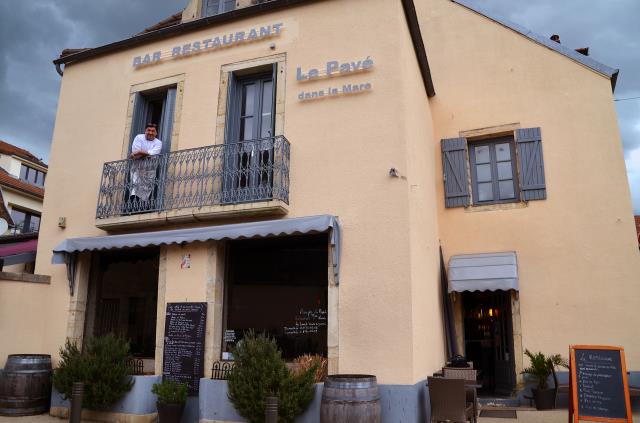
{"x": 201, "y": 183}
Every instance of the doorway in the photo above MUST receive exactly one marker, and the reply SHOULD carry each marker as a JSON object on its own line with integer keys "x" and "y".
{"x": 123, "y": 299}
{"x": 488, "y": 339}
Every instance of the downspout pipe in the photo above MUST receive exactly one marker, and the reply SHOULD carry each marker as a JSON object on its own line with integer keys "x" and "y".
{"x": 59, "y": 69}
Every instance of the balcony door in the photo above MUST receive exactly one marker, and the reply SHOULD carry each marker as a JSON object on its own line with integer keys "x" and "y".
{"x": 248, "y": 173}
{"x": 156, "y": 106}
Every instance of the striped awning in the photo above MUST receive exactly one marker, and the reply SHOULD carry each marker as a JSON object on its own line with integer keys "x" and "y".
{"x": 67, "y": 250}
{"x": 483, "y": 272}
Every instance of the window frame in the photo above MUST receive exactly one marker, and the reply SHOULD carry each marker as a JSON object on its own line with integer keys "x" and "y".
{"x": 26, "y": 172}
{"x": 221, "y": 4}
{"x": 28, "y": 214}
{"x": 491, "y": 142}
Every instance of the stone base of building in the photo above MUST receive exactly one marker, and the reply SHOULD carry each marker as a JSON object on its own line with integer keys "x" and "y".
{"x": 106, "y": 416}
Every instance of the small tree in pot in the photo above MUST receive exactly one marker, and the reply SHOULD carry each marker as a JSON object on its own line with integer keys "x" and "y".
{"x": 541, "y": 368}
{"x": 172, "y": 397}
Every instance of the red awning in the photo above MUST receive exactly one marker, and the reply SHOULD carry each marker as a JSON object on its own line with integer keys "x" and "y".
{"x": 30, "y": 246}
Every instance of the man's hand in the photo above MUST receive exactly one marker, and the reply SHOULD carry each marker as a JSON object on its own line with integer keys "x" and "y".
{"x": 139, "y": 155}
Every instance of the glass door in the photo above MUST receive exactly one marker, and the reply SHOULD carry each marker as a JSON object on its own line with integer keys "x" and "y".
{"x": 249, "y": 140}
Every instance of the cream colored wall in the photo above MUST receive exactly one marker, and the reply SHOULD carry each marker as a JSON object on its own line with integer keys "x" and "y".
{"x": 10, "y": 164}
{"x": 16, "y": 198}
{"x": 418, "y": 178}
{"x": 341, "y": 152}
{"x": 23, "y": 321}
{"x": 577, "y": 254}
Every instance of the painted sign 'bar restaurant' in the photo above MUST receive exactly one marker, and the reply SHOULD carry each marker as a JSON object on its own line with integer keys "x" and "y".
{"x": 384, "y": 183}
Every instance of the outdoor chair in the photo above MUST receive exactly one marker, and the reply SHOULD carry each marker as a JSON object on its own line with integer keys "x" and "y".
{"x": 559, "y": 388}
{"x": 448, "y": 401}
{"x": 467, "y": 374}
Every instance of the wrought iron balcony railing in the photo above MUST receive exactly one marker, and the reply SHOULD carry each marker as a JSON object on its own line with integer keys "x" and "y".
{"x": 232, "y": 173}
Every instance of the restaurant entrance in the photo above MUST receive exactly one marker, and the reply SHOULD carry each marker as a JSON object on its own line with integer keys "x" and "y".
{"x": 123, "y": 300}
{"x": 488, "y": 335}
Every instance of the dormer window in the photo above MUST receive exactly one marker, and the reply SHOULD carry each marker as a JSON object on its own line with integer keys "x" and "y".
{"x": 31, "y": 175}
{"x": 215, "y": 7}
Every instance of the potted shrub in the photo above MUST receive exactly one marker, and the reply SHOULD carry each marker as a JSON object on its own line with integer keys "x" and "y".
{"x": 171, "y": 399}
{"x": 102, "y": 367}
{"x": 541, "y": 368}
{"x": 260, "y": 372}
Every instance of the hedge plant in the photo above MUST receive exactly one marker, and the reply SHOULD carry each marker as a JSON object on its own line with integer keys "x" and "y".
{"x": 103, "y": 368}
{"x": 259, "y": 372}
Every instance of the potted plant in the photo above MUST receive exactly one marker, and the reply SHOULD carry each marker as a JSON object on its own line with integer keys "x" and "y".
{"x": 171, "y": 399}
{"x": 541, "y": 368}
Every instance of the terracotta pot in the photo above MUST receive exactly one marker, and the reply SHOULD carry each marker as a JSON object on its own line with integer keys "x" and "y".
{"x": 545, "y": 399}
{"x": 169, "y": 413}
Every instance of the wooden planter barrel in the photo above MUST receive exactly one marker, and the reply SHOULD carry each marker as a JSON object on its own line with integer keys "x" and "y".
{"x": 25, "y": 385}
{"x": 350, "y": 399}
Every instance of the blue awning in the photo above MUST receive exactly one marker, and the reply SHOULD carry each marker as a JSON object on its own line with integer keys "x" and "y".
{"x": 483, "y": 272}
{"x": 67, "y": 250}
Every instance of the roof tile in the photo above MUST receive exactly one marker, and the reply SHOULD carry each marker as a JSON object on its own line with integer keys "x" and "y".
{"x": 11, "y": 182}
{"x": 10, "y": 149}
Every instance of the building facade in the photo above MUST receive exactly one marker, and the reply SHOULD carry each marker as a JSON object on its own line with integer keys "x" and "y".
{"x": 22, "y": 177}
{"x": 318, "y": 158}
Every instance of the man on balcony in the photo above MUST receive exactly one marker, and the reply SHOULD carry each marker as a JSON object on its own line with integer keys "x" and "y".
{"x": 143, "y": 170}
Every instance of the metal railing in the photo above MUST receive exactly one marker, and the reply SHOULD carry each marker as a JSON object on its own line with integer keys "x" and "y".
{"x": 231, "y": 173}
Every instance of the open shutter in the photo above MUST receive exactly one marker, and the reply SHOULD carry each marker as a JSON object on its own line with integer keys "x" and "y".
{"x": 532, "y": 183}
{"x": 454, "y": 165}
{"x": 166, "y": 128}
{"x": 139, "y": 115}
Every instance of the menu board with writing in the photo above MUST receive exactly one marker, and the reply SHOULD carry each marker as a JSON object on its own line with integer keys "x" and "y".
{"x": 184, "y": 332}
{"x": 307, "y": 322}
{"x": 599, "y": 384}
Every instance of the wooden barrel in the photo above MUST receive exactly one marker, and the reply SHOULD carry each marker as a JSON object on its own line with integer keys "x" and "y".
{"x": 350, "y": 399}
{"x": 25, "y": 385}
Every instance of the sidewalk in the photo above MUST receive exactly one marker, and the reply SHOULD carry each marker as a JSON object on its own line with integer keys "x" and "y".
{"x": 528, "y": 416}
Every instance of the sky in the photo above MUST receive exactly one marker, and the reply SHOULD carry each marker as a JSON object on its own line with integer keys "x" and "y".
{"x": 34, "y": 32}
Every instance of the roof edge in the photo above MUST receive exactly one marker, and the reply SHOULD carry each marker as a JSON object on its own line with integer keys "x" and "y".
{"x": 162, "y": 33}
{"x": 587, "y": 61}
{"x": 418, "y": 45}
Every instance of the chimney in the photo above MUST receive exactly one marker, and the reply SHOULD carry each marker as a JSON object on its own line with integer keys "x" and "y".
{"x": 555, "y": 37}
{"x": 583, "y": 50}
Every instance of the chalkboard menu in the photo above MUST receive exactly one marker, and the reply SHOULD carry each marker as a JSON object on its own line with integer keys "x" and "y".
{"x": 599, "y": 385}
{"x": 184, "y": 332}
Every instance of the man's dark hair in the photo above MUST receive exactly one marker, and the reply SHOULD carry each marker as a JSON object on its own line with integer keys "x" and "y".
{"x": 151, "y": 125}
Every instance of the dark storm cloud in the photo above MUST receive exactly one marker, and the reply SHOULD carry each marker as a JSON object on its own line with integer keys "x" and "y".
{"x": 610, "y": 29}
{"x": 34, "y": 32}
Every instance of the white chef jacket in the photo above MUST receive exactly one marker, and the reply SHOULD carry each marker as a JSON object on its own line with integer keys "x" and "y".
{"x": 141, "y": 143}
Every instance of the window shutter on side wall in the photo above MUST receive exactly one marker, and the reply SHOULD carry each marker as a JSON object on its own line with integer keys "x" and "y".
{"x": 532, "y": 182}
{"x": 454, "y": 165}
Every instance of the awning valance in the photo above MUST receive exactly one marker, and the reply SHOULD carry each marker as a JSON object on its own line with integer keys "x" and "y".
{"x": 66, "y": 251}
{"x": 483, "y": 272}
{"x": 19, "y": 252}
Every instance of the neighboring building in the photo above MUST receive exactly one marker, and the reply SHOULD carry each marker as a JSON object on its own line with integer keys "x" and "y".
{"x": 22, "y": 177}
{"x": 316, "y": 157}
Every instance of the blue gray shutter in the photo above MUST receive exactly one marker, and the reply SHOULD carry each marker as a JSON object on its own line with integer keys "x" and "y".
{"x": 454, "y": 165}
{"x": 139, "y": 115}
{"x": 531, "y": 163}
{"x": 166, "y": 128}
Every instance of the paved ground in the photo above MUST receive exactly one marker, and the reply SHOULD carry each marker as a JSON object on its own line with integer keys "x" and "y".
{"x": 554, "y": 416}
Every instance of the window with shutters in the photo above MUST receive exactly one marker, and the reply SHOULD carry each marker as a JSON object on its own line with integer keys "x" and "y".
{"x": 493, "y": 174}
{"x": 497, "y": 170}
{"x": 215, "y": 7}
{"x": 154, "y": 106}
